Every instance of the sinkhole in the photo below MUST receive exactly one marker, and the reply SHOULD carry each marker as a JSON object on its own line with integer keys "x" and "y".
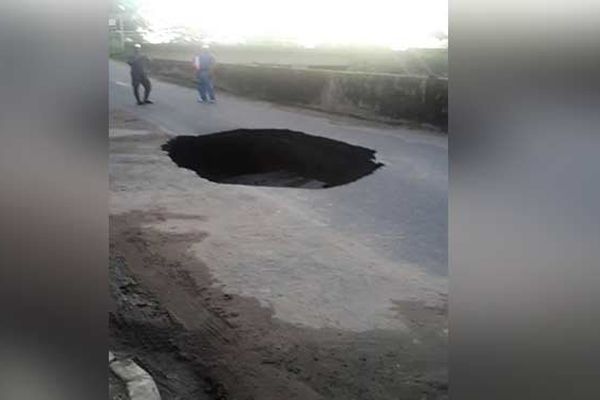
{"x": 272, "y": 157}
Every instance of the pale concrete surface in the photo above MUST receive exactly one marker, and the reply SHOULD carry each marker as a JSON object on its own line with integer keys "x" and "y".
{"x": 140, "y": 385}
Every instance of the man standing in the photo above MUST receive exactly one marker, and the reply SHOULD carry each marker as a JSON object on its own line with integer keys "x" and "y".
{"x": 204, "y": 64}
{"x": 138, "y": 64}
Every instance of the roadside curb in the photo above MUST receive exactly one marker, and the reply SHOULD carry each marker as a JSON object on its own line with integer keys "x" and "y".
{"x": 140, "y": 385}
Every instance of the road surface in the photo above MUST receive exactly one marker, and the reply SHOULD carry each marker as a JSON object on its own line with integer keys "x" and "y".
{"x": 366, "y": 262}
{"x": 408, "y": 198}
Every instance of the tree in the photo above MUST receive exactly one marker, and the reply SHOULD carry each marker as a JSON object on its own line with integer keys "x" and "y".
{"x": 131, "y": 23}
{"x": 442, "y": 37}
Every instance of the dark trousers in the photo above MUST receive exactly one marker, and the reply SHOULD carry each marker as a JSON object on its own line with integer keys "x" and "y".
{"x": 136, "y": 81}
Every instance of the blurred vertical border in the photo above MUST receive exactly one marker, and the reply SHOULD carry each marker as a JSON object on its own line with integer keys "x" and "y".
{"x": 524, "y": 200}
{"x": 54, "y": 199}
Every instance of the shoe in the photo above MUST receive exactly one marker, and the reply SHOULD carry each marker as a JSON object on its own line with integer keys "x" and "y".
{"x": 148, "y": 102}
{"x": 140, "y": 103}
{"x": 212, "y": 101}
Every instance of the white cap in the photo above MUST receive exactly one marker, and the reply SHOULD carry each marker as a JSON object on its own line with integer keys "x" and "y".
{"x": 137, "y": 46}
{"x": 205, "y": 46}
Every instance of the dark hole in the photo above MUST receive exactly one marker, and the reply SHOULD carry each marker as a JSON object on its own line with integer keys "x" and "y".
{"x": 272, "y": 157}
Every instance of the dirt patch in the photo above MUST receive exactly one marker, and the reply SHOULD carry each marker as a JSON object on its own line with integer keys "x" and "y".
{"x": 142, "y": 329}
{"x": 198, "y": 340}
{"x": 272, "y": 157}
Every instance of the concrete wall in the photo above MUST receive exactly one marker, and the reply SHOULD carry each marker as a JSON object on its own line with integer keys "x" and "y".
{"x": 385, "y": 97}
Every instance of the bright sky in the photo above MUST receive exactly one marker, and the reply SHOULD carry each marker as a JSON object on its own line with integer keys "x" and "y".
{"x": 392, "y": 23}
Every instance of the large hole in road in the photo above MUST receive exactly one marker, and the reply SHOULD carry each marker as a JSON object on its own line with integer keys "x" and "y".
{"x": 272, "y": 157}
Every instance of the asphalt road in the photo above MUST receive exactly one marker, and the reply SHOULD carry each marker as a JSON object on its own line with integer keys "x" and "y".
{"x": 400, "y": 210}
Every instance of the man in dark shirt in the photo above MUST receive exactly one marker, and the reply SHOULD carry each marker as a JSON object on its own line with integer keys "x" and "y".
{"x": 139, "y": 77}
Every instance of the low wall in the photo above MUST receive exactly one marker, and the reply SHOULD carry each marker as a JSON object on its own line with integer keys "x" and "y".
{"x": 384, "y": 97}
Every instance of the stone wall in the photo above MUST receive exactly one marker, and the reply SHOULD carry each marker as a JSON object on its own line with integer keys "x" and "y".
{"x": 385, "y": 97}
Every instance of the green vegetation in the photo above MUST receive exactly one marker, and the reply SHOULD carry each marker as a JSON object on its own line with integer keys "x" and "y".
{"x": 377, "y": 60}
